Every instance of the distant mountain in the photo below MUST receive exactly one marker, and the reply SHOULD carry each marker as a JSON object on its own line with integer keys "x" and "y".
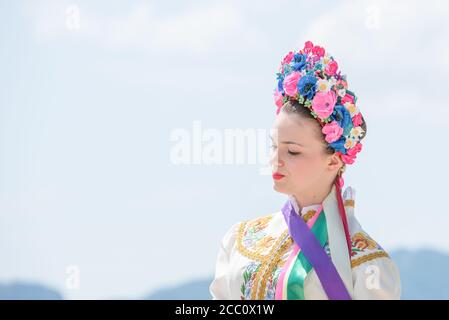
{"x": 423, "y": 273}
{"x": 27, "y": 291}
{"x": 195, "y": 290}
{"x": 423, "y": 276}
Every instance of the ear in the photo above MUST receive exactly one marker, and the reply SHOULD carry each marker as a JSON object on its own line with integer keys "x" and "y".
{"x": 335, "y": 162}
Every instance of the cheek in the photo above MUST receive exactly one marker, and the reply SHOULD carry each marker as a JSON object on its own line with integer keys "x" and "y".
{"x": 306, "y": 168}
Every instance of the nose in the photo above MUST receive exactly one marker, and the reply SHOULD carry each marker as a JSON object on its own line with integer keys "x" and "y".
{"x": 275, "y": 161}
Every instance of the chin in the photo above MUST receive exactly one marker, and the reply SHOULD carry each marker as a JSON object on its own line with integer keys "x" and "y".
{"x": 280, "y": 189}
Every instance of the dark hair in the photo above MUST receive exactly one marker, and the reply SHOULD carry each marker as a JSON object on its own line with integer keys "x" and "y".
{"x": 294, "y": 107}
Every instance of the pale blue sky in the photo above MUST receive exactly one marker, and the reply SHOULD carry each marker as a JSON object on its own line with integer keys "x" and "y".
{"x": 87, "y": 108}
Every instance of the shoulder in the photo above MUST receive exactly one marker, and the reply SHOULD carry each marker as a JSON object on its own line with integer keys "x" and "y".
{"x": 256, "y": 238}
{"x": 263, "y": 224}
{"x": 375, "y": 274}
{"x": 363, "y": 247}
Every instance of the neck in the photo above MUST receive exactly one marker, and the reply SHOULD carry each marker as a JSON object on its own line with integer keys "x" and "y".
{"x": 316, "y": 196}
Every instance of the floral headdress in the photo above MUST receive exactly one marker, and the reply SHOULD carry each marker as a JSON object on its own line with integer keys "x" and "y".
{"x": 311, "y": 77}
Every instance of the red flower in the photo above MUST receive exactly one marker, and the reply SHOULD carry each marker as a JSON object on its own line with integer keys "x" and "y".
{"x": 332, "y": 68}
{"x": 319, "y": 51}
{"x": 350, "y": 155}
{"x": 308, "y": 46}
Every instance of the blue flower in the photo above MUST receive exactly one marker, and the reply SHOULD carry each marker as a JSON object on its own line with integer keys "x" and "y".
{"x": 307, "y": 86}
{"x": 299, "y": 61}
{"x": 339, "y": 145}
{"x": 343, "y": 118}
{"x": 280, "y": 86}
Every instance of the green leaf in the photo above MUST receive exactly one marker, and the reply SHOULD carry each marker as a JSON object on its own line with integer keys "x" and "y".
{"x": 246, "y": 276}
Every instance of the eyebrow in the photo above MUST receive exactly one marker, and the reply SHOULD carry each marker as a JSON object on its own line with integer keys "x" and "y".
{"x": 289, "y": 142}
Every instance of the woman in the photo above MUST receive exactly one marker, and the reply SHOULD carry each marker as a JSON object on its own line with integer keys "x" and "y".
{"x": 314, "y": 247}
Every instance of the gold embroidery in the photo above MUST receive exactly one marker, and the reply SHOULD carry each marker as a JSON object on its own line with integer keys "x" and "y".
{"x": 309, "y": 215}
{"x": 264, "y": 243}
{"x": 243, "y": 250}
{"x": 260, "y": 223}
{"x": 368, "y": 257}
{"x": 265, "y": 262}
{"x": 362, "y": 241}
{"x": 272, "y": 265}
{"x": 349, "y": 203}
{"x": 269, "y": 261}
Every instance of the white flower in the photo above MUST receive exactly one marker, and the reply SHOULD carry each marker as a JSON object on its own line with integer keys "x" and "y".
{"x": 323, "y": 85}
{"x": 350, "y": 142}
{"x": 356, "y": 133}
{"x": 352, "y": 108}
{"x": 341, "y": 92}
{"x": 326, "y": 59}
{"x": 332, "y": 81}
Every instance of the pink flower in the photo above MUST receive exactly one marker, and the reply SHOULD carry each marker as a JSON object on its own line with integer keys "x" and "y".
{"x": 278, "y": 109}
{"x": 347, "y": 159}
{"x": 332, "y": 131}
{"x": 323, "y": 103}
{"x": 288, "y": 57}
{"x": 332, "y": 68}
{"x": 291, "y": 83}
{"x": 347, "y": 98}
{"x": 357, "y": 119}
{"x": 278, "y": 98}
{"x": 351, "y": 154}
{"x": 319, "y": 51}
{"x": 315, "y": 58}
{"x": 308, "y": 46}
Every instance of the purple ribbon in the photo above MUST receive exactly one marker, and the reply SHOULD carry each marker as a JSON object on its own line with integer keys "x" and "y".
{"x": 322, "y": 264}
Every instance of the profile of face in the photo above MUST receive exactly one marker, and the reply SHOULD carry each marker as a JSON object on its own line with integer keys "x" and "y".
{"x": 299, "y": 160}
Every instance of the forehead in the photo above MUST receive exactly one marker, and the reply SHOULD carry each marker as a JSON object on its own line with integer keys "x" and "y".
{"x": 293, "y": 127}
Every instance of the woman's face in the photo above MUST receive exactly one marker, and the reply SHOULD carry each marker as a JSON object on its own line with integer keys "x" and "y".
{"x": 298, "y": 153}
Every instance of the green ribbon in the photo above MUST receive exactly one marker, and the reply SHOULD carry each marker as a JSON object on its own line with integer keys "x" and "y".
{"x": 301, "y": 266}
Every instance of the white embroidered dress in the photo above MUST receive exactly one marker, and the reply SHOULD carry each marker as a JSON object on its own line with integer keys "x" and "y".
{"x": 252, "y": 253}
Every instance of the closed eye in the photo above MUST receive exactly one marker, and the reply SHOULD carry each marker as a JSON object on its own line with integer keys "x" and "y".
{"x": 293, "y": 153}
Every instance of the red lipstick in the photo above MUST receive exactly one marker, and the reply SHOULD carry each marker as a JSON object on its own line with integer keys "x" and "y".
{"x": 277, "y": 176}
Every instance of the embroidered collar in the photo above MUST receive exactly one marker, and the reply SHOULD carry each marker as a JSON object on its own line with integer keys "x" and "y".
{"x": 306, "y": 212}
